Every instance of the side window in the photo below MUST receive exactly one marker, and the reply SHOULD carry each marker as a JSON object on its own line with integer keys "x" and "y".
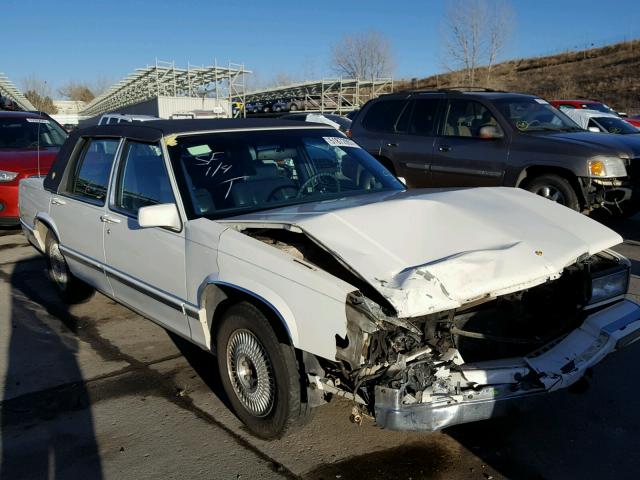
{"x": 382, "y": 115}
{"x": 465, "y": 118}
{"x": 423, "y": 120}
{"x": 112, "y": 121}
{"x": 142, "y": 178}
{"x": 91, "y": 174}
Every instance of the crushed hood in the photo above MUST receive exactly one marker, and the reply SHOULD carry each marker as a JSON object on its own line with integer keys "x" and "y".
{"x": 429, "y": 251}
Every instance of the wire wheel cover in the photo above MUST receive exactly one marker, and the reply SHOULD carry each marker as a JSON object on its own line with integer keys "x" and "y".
{"x": 250, "y": 372}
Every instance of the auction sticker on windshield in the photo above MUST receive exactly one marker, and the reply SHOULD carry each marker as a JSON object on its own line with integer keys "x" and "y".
{"x": 37, "y": 120}
{"x": 340, "y": 142}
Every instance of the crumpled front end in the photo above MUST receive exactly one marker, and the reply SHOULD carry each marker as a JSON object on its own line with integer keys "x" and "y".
{"x": 488, "y": 389}
{"x": 476, "y": 361}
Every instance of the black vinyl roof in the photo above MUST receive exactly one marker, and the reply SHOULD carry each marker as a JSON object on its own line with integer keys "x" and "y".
{"x": 153, "y": 130}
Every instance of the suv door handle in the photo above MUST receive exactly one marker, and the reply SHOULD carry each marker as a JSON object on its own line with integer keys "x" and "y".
{"x": 444, "y": 148}
{"x": 109, "y": 219}
{"x": 57, "y": 201}
{"x": 392, "y": 144}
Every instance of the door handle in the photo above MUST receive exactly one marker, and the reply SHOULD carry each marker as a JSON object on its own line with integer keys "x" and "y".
{"x": 109, "y": 219}
{"x": 57, "y": 201}
{"x": 444, "y": 148}
{"x": 392, "y": 144}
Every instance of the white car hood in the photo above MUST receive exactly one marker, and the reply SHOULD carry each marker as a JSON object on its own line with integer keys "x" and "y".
{"x": 432, "y": 250}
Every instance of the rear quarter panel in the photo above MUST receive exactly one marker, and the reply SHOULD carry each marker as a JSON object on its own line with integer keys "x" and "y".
{"x": 33, "y": 199}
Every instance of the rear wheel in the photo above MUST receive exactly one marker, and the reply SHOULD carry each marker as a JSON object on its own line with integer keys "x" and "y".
{"x": 70, "y": 288}
{"x": 293, "y": 107}
{"x": 554, "y": 188}
{"x": 259, "y": 373}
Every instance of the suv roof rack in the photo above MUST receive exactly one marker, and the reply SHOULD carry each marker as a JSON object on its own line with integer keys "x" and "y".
{"x": 461, "y": 88}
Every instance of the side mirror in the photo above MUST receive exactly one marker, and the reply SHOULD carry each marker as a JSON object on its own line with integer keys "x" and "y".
{"x": 163, "y": 215}
{"x": 594, "y": 130}
{"x": 490, "y": 132}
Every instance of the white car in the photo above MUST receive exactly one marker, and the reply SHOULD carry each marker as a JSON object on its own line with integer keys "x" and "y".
{"x": 596, "y": 121}
{"x": 292, "y": 254}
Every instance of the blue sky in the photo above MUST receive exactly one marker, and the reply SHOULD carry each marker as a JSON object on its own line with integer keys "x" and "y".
{"x": 85, "y": 39}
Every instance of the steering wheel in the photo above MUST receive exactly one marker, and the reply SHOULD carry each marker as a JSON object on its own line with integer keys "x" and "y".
{"x": 272, "y": 195}
{"x": 314, "y": 178}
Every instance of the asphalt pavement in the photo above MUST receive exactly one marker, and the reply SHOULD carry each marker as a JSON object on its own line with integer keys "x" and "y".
{"x": 96, "y": 391}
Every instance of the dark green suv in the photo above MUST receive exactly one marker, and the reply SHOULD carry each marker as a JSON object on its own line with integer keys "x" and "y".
{"x": 452, "y": 138}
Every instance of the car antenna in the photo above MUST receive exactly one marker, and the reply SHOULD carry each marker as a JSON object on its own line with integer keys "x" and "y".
{"x": 38, "y": 147}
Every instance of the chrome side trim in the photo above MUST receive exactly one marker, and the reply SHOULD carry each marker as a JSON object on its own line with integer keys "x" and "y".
{"x": 144, "y": 288}
{"x": 468, "y": 171}
{"x": 258, "y": 297}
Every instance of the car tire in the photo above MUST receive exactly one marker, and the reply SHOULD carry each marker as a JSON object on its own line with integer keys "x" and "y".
{"x": 259, "y": 373}
{"x": 554, "y": 188}
{"x": 293, "y": 107}
{"x": 265, "y": 109}
{"x": 70, "y": 287}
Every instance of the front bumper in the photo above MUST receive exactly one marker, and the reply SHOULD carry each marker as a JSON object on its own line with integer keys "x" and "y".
{"x": 555, "y": 366}
{"x": 9, "y": 204}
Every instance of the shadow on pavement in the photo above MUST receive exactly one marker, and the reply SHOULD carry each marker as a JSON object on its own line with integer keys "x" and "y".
{"x": 47, "y": 429}
{"x": 4, "y": 230}
{"x": 416, "y": 461}
{"x": 205, "y": 365}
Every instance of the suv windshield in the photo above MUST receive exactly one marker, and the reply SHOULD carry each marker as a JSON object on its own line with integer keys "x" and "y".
{"x": 224, "y": 174}
{"x": 27, "y": 132}
{"x": 535, "y": 115}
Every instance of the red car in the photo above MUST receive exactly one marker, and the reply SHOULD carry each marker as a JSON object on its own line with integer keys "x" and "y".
{"x": 591, "y": 105}
{"x": 26, "y": 140}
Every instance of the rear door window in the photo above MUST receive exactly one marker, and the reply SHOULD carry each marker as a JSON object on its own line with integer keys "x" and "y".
{"x": 92, "y": 170}
{"x": 423, "y": 117}
{"x": 382, "y": 116}
{"x": 142, "y": 178}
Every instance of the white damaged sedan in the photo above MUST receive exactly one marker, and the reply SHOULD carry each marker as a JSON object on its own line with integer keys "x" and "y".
{"x": 311, "y": 273}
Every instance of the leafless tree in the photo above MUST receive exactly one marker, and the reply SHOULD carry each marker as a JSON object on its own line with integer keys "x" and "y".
{"x": 79, "y": 92}
{"x": 38, "y": 92}
{"x": 100, "y": 84}
{"x": 366, "y": 55}
{"x": 476, "y": 32}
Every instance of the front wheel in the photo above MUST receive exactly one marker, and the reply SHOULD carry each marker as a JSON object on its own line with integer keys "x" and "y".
{"x": 554, "y": 188}
{"x": 70, "y": 288}
{"x": 259, "y": 373}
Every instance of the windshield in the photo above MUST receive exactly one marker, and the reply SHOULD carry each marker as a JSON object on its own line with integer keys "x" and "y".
{"x": 616, "y": 125}
{"x": 600, "y": 107}
{"x": 27, "y": 132}
{"x": 224, "y": 174}
{"x": 535, "y": 115}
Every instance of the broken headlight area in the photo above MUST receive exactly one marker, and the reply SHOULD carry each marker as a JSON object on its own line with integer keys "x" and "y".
{"x": 475, "y": 354}
{"x": 609, "y": 279}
